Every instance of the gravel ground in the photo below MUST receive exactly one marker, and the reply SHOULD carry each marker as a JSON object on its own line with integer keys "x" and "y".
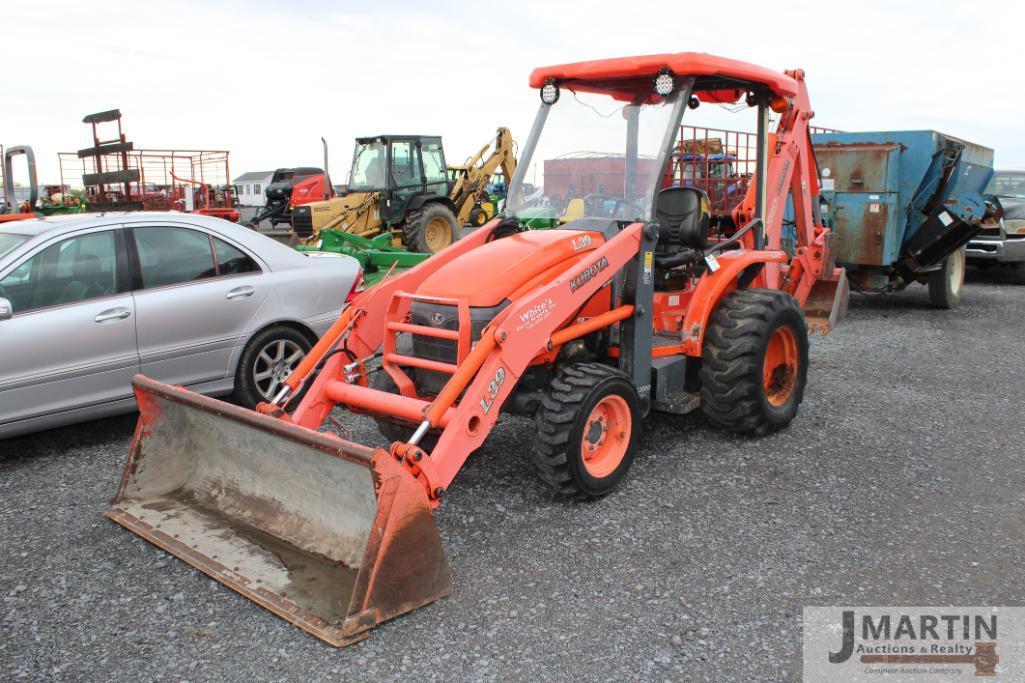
{"x": 900, "y": 482}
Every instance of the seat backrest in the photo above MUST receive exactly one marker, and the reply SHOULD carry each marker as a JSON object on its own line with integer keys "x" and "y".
{"x": 683, "y": 215}
{"x": 574, "y": 210}
{"x": 87, "y": 267}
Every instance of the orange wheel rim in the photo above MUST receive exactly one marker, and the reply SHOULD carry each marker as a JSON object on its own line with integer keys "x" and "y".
{"x": 780, "y": 367}
{"x": 606, "y": 436}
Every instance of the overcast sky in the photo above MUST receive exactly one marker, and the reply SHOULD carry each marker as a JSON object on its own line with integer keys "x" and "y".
{"x": 265, "y": 79}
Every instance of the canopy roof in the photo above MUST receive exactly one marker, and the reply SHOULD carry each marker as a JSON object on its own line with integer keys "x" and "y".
{"x": 627, "y": 78}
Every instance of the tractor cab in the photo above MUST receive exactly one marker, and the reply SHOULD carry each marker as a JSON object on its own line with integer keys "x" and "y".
{"x": 398, "y": 190}
{"x": 399, "y": 168}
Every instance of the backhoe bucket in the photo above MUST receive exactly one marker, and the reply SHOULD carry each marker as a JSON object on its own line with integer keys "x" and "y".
{"x": 333, "y": 536}
{"x": 827, "y": 302}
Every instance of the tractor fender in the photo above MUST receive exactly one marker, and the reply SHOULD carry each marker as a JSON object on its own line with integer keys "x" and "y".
{"x": 713, "y": 286}
{"x": 419, "y": 200}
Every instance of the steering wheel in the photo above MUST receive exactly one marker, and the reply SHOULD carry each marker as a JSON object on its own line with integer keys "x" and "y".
{"x": 623, "y": 206}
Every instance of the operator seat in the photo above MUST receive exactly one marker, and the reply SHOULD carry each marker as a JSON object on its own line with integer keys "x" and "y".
{"x": 683, "y": 215}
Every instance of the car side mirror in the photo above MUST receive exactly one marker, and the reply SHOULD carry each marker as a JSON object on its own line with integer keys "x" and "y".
{"x": 6, "y": 309}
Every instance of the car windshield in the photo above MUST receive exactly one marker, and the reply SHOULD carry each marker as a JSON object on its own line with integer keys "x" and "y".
{"x": 9, "y": 242}
{"x": 369, "y": 165}
{"x": 1007, "y": 185}
{"x": 594, "y": 158}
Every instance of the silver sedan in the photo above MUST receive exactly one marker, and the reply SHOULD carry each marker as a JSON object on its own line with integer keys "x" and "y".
{"x": 88, "y": 301}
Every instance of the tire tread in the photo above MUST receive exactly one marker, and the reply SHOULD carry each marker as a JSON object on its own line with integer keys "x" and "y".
{"x": 732, "y": 358}
{"x": 556, "y": 419}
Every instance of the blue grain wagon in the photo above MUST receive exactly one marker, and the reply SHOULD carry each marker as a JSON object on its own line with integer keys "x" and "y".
{"x": 902, "y": 205}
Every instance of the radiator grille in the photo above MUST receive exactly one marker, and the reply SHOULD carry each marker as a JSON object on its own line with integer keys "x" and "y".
{"x": 443, "y": 350}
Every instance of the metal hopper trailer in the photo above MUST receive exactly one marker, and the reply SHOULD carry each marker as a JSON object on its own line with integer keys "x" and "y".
{"x": 902, "y": 205}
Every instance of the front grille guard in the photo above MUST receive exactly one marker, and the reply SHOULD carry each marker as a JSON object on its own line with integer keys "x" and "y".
{"x": 397, "y": 323}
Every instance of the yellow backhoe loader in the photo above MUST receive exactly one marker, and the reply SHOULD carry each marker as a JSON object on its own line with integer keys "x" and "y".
{"x": 471, "y": 181}
{"x": 400, "y": 186}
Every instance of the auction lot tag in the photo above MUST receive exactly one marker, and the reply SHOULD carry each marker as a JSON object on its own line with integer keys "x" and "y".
{"x": 713, "y": 262}
{"x": 912, "y": 644}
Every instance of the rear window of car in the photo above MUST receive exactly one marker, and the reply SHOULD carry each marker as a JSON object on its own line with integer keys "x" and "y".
{"x": 9, "y": 242}
{"x": 232, "y": 261}
{"x": 175, "y": 255}
{"x": 171, "y": 255}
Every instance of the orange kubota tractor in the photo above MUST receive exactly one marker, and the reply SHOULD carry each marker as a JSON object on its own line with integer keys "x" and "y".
{"x": 630, "y": 306}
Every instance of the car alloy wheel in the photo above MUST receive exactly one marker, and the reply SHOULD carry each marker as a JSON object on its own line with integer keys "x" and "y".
{"x": 273, "y": 365}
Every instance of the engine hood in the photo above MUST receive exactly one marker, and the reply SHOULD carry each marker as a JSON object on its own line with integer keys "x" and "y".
{"x": 337, "y": 205}
{"x": 488, "y": 275}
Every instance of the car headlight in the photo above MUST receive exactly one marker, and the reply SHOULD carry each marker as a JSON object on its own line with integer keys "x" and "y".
{"x": 1015, "y": 226}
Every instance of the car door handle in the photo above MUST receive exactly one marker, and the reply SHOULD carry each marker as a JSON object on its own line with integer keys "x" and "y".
{"x": 112, "y": 314}
{"x": 240, "y": 292}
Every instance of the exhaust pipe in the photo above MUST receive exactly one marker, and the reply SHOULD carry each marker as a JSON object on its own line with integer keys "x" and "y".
{"x": 330, "y": 535}
{"x": 328, "y": 189}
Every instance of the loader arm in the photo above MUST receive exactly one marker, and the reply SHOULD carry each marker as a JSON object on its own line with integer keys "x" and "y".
{"x": 359, "y": 332}
{"x": 355, "y": 220}
{"x": 487, "y": 375}
{"x": 508, "y": 345}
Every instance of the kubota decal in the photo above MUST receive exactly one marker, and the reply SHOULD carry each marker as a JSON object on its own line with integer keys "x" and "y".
{"x": 588, "y": 273}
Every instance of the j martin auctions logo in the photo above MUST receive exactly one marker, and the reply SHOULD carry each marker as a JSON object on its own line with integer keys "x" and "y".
{"x": 912, "y": 644}
{"x": 899, "y": 639}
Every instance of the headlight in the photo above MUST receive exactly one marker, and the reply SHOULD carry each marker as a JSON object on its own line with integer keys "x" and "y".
{"x": 665, "y": 83}
{"x": 1015, "y": 226}
{"x": 550, "y": 92}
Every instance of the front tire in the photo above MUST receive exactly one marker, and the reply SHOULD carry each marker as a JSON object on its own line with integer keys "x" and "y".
{"x": 267, "y": 361}
{"x": 588, "y": 428}
{"x": 754, "y": 365}
{"x": 478, "y": 217}
{"x": 430, "y": 229}
{"x": 946, "y": 283}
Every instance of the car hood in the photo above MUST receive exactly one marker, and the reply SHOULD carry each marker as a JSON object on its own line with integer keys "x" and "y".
{"x": 1014, "y": 209}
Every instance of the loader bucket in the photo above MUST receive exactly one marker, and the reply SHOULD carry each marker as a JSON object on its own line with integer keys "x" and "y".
{"x": 333, "y": 536}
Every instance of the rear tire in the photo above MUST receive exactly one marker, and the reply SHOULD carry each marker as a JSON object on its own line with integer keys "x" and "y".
{"x": 588, "y": 428}
{"x": 755, "y": 362}
{"x": 946, "y": 283}
{"x": 277, "y": 351}
{"x": 430, "y": 229}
